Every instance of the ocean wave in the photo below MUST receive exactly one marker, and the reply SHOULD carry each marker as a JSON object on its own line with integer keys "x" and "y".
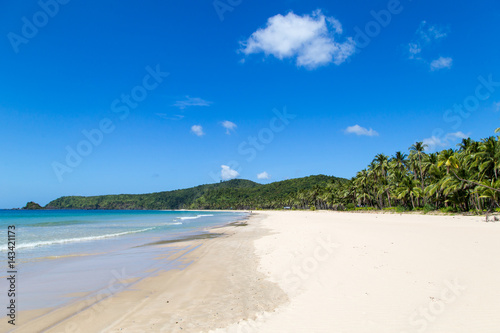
{"x": 73, "y": 240}
{"x": 193, "y": 217}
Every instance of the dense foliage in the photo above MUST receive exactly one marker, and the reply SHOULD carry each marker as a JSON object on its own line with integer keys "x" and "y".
{"x": 270, "y": 196}
{"x": 32, "y": 205}
{"x": 235, "y": 194}
{"x": 464, "y": 179}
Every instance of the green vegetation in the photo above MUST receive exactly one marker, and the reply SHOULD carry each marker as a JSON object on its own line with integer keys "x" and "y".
{"x": 458, "y": 180}
{"x": 32, "y": 205}
{"x": 462, "y": 180}
{"x": 232, "y": 194}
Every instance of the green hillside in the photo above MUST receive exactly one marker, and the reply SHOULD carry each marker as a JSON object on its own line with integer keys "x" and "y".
{"x": 466, "y": 179}
{"x": 32, "y": 206}
{"x": 236, "y": 194}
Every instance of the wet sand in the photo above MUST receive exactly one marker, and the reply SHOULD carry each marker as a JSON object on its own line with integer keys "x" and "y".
{"x": 299, "y": 271}
{"x": 219, "y": 285}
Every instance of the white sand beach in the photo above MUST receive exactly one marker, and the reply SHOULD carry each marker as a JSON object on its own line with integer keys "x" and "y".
{"x": 298, "y": 271}
{"x": 382, "y": 273}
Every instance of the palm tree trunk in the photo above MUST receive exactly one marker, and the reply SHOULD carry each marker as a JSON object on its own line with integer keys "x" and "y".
{"x": 475, "y": 183}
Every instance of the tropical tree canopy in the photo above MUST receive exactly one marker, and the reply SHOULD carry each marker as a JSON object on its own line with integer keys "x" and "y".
{"x": 461, "y": 179}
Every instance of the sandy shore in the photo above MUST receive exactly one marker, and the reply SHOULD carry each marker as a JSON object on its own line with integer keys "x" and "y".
{"x": 310, "y": 272}
{"x": 214, "y": 283}
{"x": 381, "y": 273}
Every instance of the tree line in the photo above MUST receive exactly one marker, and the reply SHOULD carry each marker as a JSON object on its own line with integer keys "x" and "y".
{"x": 462, "y": 179}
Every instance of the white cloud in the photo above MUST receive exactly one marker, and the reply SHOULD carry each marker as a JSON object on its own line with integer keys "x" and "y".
{"x": 198, "y": 130}
{"x": 191, "y": 101}
{"x": 429, "y": 33}
{"x": 229, "y": 126}
{"x": 310, "y": 39}
{"x": 496, "y": 106}
{"x": 425, "y": 35}
{"x": 358, "y": 130}
{"x": 263, "y": 175}
{"x": 227, "y": 173}
{"x": 414, "y": 49}
{"x": 173, "y": 117}
{"x": 435, "y": 142}
{"x": 441, "y": 63}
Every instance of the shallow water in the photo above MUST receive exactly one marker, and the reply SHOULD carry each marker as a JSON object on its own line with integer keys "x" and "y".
{"x": 62, "y": 255}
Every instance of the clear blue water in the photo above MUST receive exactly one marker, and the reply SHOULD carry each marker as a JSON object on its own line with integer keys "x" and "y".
{"x": 48, "y": 233}
{"x": 62, "y": 252}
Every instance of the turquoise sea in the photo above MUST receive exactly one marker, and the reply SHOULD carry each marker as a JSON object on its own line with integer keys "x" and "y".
{"x": 63, "y": 252}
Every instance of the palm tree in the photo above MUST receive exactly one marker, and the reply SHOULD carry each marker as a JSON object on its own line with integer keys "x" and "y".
{"x": 465, "y": 177}
{"x": 399, "y": 161}
{"x": 417, "y": 152}
{"x": 429, "y": 161}
{"x": 381, "y": 168}
{"x": 409, "y": 189}
{"x": 382, "y": 164}
{"x": 448, "y": 158}
{"x": 489, "y": 153}
{"x": 489, "y": 149}
{"x": 486, "y": 192}
{"x": 465, "y": 144}
{"x": 362, "y": 185}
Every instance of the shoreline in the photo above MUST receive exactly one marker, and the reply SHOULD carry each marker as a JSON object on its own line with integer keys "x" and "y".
{"x": 321, "y": 271}
{"x": 493, "y": 216}
{"x": 98, "y": 310}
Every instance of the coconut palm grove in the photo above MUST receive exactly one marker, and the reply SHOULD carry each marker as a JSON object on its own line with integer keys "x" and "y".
{"x": 464, "y": 179}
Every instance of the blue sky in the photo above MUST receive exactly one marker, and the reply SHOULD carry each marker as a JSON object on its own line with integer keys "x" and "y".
{"x": 256, "y": 89}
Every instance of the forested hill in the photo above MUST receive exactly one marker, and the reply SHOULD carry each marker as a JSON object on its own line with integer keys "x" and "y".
{"x": 232, "y": 194}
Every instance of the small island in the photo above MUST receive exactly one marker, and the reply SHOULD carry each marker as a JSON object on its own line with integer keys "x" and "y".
{"x": 32, "y": 206}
